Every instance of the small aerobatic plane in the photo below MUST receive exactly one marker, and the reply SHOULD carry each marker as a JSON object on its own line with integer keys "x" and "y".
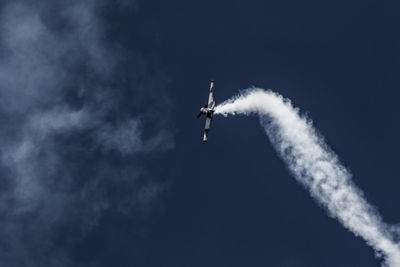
{"x": 208, "y": 110}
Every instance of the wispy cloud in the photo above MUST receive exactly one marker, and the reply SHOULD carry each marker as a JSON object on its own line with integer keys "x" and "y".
{"x": 64, "y": 115}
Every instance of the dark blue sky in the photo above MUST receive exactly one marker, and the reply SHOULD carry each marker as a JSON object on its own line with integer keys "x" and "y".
{"x": 98, "y": 103}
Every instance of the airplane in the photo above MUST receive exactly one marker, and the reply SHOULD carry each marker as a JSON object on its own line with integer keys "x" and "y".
{"x": 208, "y": 110}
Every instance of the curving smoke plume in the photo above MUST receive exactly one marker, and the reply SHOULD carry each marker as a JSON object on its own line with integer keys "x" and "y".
{"x": 316, "y": 167}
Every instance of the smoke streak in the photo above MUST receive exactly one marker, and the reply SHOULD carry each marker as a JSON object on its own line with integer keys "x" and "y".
{"x": 316, "y": 167}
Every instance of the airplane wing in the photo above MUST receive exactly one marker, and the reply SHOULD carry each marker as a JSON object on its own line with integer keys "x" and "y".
{"x": 206, "y": 128}
{"x": 211, "y": 102}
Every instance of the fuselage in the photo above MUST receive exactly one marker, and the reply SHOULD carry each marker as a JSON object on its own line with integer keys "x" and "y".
{"x": 207, "y": 111}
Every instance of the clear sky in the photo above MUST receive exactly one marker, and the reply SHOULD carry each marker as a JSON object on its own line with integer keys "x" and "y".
{"x": 101, "y": 155}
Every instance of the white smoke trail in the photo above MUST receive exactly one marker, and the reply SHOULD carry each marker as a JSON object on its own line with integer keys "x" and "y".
{"x": 315, "y": 166}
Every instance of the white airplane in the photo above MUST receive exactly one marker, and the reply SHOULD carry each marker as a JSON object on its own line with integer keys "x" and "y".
{"x": 208, "y": 110}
